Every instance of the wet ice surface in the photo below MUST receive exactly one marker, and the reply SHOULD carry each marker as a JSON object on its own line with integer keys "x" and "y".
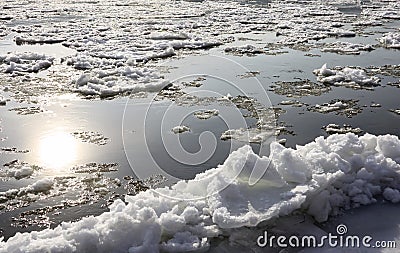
{"x": 66, "y": 75}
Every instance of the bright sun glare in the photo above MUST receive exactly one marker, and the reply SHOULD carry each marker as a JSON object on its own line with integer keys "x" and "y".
{"x": 57, "y": 150}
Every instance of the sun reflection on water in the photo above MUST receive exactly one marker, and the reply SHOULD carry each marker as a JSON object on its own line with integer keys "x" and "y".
{"x": 57, "y": 150}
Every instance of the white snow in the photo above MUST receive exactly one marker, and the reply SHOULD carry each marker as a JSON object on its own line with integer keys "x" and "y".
{"x": 180, "y": 129}
{"x": 346, "y": 75}
{"x": 391, "y": 40}
{"x": 320, "y": 178}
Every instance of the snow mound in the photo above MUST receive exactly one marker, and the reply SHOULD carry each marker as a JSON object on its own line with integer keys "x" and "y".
{"x": 391, "y": 40}
{"x": 320, "y": 178}
{"x": 345, "y": 76}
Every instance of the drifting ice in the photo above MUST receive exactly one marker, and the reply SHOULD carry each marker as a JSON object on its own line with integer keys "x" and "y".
{"x": 320, "y": 178}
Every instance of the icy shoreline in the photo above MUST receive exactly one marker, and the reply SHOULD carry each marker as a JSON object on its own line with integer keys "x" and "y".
{"x": 321, "y": 179}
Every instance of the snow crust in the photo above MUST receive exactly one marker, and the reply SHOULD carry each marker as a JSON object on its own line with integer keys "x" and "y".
{"x": 321, "y": 179}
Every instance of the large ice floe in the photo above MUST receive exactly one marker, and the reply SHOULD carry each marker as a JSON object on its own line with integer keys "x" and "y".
{"x": 119, "y": 81}
{"x": 321, "y": 179}
{"x": 345, "y": 76}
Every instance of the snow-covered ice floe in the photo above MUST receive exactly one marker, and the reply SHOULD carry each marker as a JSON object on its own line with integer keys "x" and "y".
{"x": 345, "y": 76}
{"x": 24, "y": 62}
{"x": 391, "y": 40}
{"x": 17, "y": 170}
{"x": 320, "y": 178}
{"x": 245, "y": 49}
{"x": 118, "y": 81}
{"x": 41, "y": 185}
{"x": 336, "y": 129}
{"x": 206, "y": 114}
{"x": 252, "y": 135}
{"x": 342, "y": 47}
{"x": 180, "y": 129}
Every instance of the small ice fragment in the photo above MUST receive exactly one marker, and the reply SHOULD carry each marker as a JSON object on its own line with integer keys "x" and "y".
{"x": 180, "y": 129}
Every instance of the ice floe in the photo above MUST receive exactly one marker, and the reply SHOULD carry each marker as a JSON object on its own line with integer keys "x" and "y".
{"x": 391, "y": 40}
{"x": 252, "y": 135}
{"x": 119, "y": 39}
{"x": 24, "y": 62}
{"x": 244, "y": 50}
{"x": 342, "y": 47}
{"x": 41, "y": 39}
{"x": 122, "y": 80}
{"x": 348, "y": 108}
{"x": 321, "y": 179}
{"x": 206, "y": 114}
{"x": 27, "y": 110}
{"x": 336, "y": 129}
{"x": 17, "y": 170}
{"x": 180, "y": 129}
{"x": 345, "y": 76}
{"x": 294, "y": 103}
{"x": 39, "y": 186}
{"x": 299, "y": 88}
{"x": 91, "y": 137}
